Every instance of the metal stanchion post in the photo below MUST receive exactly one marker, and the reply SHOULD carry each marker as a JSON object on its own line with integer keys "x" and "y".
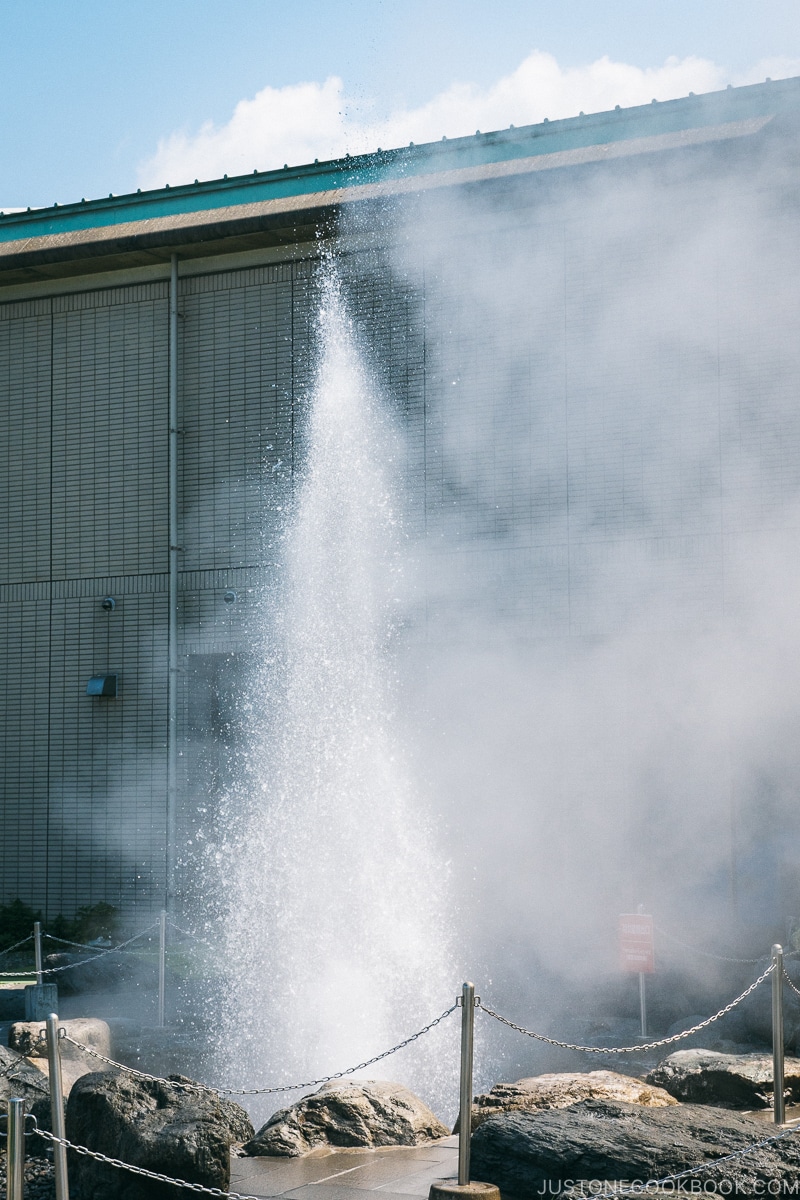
{"x": 779, "y": 1112}
{"x": 448, "y": 1189}
{"x": 465, "y": 1098}
{"x": 642, "y": 992}
{"x": 57, "y": 1106}
{"x": 15, "y": 1153}
{"x": 37, "y": 950}
{"x": 162, "y": 965}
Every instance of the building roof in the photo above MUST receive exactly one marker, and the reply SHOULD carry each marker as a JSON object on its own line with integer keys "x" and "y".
{"x": 285, "y": 205}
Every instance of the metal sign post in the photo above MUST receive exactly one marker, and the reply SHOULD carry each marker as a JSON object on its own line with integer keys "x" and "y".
{"x": 636, "y": 953}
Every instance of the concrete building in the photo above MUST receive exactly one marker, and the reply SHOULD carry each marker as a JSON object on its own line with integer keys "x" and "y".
{"x": 155, "y": 353}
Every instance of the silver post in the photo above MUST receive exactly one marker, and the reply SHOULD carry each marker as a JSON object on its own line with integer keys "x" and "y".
{"x": 57, "y": 1106}
{"x": 162, "y": 965}
{"x": 465, "y": 1099}
{"x": 642, "y": 992}
{"x": 15, "y": 1161}
{"x": 172, "y": 587}
{"x": 779, "y": 1110}
{"x": 37, "y": 950}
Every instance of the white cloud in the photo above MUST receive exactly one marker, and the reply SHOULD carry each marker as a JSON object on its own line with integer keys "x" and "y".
{"x": 293, "y": 124}
{"x": 301, "y": 122}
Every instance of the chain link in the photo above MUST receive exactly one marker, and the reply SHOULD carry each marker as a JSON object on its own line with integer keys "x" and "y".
{"x": 194, "y": 936}
{"x": 676, "y": 1037}
{"x": 69, "y": 966}
{"x": 341, "y": 1074}
{"x": 636, "y": 1190}
{"x": 186, "y": 1087}
{"x": 142, "y": 1171}
{"x": 78, "y": 945}
{"x": 707, "y": 953}
{"x": 17, "y": 945}
{"x": 791, "y": 982}
{"x": 101, "y": 953}
{"x": 287, "y": 1087}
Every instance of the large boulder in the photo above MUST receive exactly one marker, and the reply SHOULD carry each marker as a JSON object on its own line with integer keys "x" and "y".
{"x": 185, "y": 1134}
{"x": 27, "y": 1037}
{"x": 726, "y": 1080}
{"x": 562, "y": 1090}
{"x": 19, "y": 1078}
{"x": 535, "y": 1154}
{"x": 365, "y": 1114}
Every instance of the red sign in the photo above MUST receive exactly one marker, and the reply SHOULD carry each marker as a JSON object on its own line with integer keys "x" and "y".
{"x": 636, "y": 943}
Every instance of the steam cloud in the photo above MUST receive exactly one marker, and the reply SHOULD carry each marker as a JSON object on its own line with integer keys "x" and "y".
{"x": 605, "y": 689}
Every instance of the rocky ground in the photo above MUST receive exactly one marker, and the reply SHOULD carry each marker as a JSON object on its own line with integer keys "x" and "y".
{"x": 40, "y": 1181}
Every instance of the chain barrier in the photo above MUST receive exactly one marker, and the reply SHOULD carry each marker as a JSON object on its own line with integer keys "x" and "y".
{"x": 78, "y": 945}
{"x": 340, "y": 1074}
{"x": 676, "y": 1037}
{"x": 707, "y": 953}
{"x": 752, "y": 962}
{"x": 788, "y": 979}
{"x": 141, "y": 1171}
{"x": 101, "y": 953}
{"x": 194, "y": 936}
{"x": 636, "y": 1189}
{"x": 81, "y": 962}
{"x": 286, "y": 1087}
{"x": 186, "y": 1087}
{"x": 17, "y": 945}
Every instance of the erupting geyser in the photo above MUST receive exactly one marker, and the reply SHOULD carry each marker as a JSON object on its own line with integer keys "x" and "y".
{"x": 334, "y": 895}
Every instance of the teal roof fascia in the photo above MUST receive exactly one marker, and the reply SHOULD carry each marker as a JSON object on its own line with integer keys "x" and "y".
{"x": 548, "y": 137}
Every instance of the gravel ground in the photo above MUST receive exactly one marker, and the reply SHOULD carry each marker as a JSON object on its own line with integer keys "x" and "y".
{"x": 39, "y": 1178}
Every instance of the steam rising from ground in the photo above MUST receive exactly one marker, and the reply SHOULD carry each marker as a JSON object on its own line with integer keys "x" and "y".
{"x": 335, "y": 893}
{"x": 606, "y": 689}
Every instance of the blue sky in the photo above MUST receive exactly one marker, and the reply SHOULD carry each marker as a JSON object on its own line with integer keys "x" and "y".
{"x": 102, "y": 96}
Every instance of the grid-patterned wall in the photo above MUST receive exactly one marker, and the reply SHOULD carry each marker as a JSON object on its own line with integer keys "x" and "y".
{"x": 550, "y": 375}
{"x": 82, "y": 390}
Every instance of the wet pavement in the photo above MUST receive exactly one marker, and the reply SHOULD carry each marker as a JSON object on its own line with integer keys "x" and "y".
{"x": 392, "y": 1171}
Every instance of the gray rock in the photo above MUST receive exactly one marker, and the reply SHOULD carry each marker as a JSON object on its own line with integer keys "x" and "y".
{"x": 25, "y": 1037}
{"x": 726, "y": 1080}
{"x": 163, "y": 1128}
{"x": 365, "y": 1114}
{"x": 539, "y": 1154}
{"x": 19, "y": 1078}
{"x": 564, "y": 1089}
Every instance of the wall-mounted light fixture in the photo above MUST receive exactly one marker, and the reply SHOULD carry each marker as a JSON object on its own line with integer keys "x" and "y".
{"x": 102, "y": 685}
